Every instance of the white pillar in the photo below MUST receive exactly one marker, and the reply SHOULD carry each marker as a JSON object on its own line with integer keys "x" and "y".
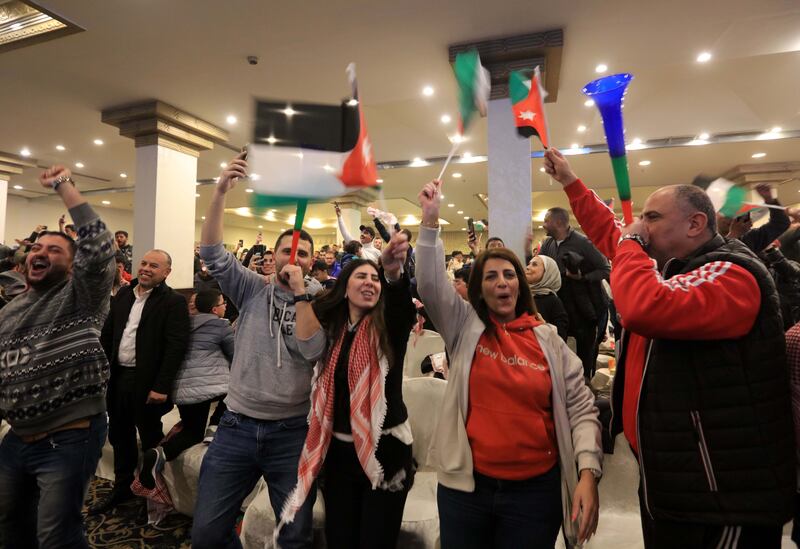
{"x": 351, "y": 215}
{"x": 164, "y": 209}
{"x": 509, "y": 179}
{"x": 3, "y": 206}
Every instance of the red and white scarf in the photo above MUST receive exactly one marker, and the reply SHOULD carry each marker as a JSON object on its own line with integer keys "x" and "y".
{"x": 366, "y": 374}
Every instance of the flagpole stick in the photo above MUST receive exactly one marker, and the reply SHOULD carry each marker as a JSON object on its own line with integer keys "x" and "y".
{"x": 773, "y": 206}
{"x": 449, "y": 158}
{"x": 298, "y": 226}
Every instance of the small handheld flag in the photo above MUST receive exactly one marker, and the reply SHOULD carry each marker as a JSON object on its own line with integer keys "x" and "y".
{"x": 474, "y": 86}
{"x": 527, "y": 103}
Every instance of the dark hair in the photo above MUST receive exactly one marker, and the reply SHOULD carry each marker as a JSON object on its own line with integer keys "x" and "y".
{"x": 325, "y": 248}
{"x": 73, "y": 247}
{"x": 121, "y": 232}
{"x": 269, "y": 252}
{"x": 70, "y": 227}
{"x": 206, "y": 300}
{"x": 352, "y": 247}
{"x": 695, "y": 199}
{"x": 463, "y": 273}
{"x": 525, "y": 302}
{"x": 559, "y": 214}
{"x": 495, "y": 238}
{"x": 407, "y": 233}
{"x": 303, "y": 236}
{"x": 119, "y": 258}
{"x": 333, "y": 311}
{"x": 319, "y": 265}
{"x": 367, "y": 229}
{"x": 457, "y": 252}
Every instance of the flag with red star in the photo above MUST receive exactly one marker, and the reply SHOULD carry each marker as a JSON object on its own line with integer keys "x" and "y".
{"x": 527, "y": 103}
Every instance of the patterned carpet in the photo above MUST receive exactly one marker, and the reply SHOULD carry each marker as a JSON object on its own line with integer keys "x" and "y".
{"x": 126, "y": 526}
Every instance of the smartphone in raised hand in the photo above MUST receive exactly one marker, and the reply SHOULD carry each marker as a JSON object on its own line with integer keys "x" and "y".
{"x": 470, "y": 229}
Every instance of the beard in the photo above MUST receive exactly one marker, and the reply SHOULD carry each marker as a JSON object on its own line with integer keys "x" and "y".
{"x": 55, "y": 275}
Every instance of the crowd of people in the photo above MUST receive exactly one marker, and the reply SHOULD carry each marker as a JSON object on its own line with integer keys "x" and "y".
{"x": 292, "y": 371}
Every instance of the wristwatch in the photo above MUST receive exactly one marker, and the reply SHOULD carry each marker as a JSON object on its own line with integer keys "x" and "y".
{"x": 636, "y": 238}
{"x": 304, "y": 297}
{"x": 57, "y": 183}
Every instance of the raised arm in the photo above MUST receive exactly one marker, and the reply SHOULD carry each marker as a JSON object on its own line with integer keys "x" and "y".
{"x": 211, "y": 233}
{"x": 93, "y": 264}
{"x": 444, "y": 306}
{"x": 760, "y": 238}
{"x": 308, "y": 331}
{"x": 342, "y": 227}
{"x": 595, "y": 217}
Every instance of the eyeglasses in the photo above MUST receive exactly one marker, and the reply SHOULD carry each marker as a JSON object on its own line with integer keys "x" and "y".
{"x": 221, "y": 304}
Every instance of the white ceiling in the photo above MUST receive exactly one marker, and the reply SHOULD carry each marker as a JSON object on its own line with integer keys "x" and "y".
{"x": 192, "y": 53}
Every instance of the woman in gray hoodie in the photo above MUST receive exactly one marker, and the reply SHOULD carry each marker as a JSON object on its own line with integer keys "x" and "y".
{"x": 202, "y": 378}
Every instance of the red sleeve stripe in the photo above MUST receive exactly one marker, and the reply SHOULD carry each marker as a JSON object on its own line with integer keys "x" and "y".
{"x": 707, "y": 273}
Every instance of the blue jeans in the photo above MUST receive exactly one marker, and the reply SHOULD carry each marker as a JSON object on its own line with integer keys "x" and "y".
{"x": 43, "y": 485}
{"x": 502, "y": 514}
{"x": 243, "y": 450}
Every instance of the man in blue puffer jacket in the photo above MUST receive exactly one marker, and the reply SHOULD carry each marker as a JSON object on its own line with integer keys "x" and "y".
{"x": 202, "y": 379}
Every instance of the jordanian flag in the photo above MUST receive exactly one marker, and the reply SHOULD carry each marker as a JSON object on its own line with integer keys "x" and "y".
{"x": 309, "y": 151}
{"x": 527, "y": 102}
{"x": 727, "y": 197}
{"x": 474, "y": 86}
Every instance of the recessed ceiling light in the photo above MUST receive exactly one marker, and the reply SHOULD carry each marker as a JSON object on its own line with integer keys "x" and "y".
{"x": 451, "y": 205}
{"x": 441, "y": 196}
{"x": 106, "y": 202}
{"x": 588, "y": 103}
{"x": 759, "y": 155}
{"x": 18, "y": 187}
{"x": 541, "y": 170}
{"x": 289, "y": 111}
{"x": 230, "y": 119}
{"x": 61, "y": 148}
{"x": 223, "y": 164}
{"x": 601, "y": 68}
{"x": 353, "y": 102}
{"x": 25, "y": 151}
{"x": 581, "y": 128}
{"x": 645, "y": 163}
{"x": 98, "y": 142}
{"x": 445, "y": 119}
{"x": 457, "y": 138}
{"x": 575, "y": 146}
{"x": 79, "y": 164}
{"x": 459, "y": 212}
{"x": 16, "y": 26}
{"x": 467, "y": 155}
{"x": 703, "y": 136}
{"x": 248, "y": 190}
{"x": 328, "y": 168}
{"x": 704, "y": 57}
{"x": 464, "y": 228}
{"x": 271, "y": 140}
{"x": 636, "y": 141}
{"x": 466, "y": 217}
{"x": 123, "y": 175}
{"x": 427, "y": 91}
{"x": 261, "y": 226}
{"x": 203, "y": 217}
{"x": 776, "y": 129}
{"x": 456, "y": 175}
{"x": 379, "y": 180}
{"x": 197, "y": 195}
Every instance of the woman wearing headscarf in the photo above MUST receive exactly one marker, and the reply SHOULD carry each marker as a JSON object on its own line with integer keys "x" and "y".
{"x": 544, "y": 281}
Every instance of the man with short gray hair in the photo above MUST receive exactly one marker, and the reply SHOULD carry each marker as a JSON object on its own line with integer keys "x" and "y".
{"x": 145, "y": 338}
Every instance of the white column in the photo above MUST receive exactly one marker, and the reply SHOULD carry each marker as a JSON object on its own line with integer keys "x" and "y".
{"x": 509, "y": 179}
{"x": 164, "y": 209}
{"x": 351, "y": 215}
{"x": 3, "y": 206}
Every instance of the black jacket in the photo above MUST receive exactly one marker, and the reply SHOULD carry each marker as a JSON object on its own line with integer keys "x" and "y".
{"x": 715, "y": 422}
{"x": 553, "y": 312}
{"x": 161, "y": 338}
{"x": 582, "y": 299}
{"x": 760, "y": 238}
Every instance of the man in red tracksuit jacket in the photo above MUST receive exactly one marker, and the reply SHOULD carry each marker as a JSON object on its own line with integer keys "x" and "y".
{"x": 701, "y": 389}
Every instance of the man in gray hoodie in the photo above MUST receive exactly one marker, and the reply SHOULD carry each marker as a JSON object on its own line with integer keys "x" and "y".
{"x": 263, "y": 431}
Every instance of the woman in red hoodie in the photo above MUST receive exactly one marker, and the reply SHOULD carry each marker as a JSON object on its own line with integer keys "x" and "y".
{"x": 517, "y": 446}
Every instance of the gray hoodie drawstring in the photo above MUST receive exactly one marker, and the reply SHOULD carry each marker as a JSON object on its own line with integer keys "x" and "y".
{"x": 280, "y": 324}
